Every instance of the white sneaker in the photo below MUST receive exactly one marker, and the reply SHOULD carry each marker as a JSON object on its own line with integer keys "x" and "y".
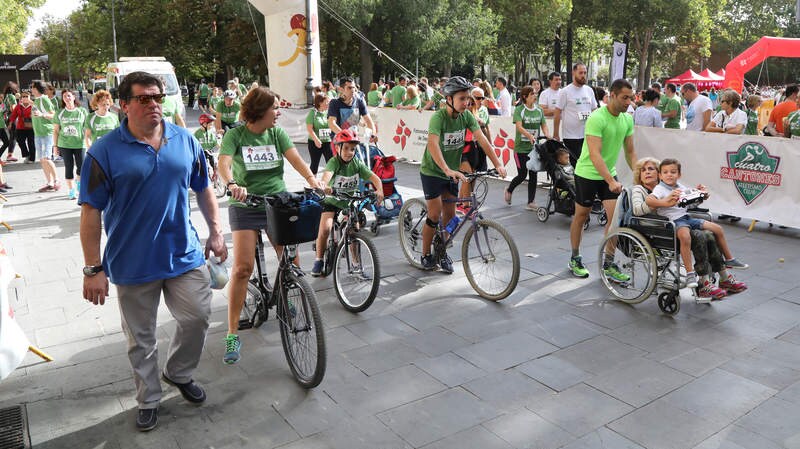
{"x": 691, "y": 280}
{"x": 532, "y": 206}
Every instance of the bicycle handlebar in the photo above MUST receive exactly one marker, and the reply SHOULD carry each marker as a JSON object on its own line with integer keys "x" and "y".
{"x": 254, "y": 200}
{"x": 356, "y": 196}
{"x": 479, "y": 174}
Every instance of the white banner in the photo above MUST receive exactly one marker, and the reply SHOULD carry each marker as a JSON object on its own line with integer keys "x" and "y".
{"x": 13, "y": 342}
{"x": 285, "y": 22}
{"x": 747, "y": 176}
{"x": 617, "y": 68}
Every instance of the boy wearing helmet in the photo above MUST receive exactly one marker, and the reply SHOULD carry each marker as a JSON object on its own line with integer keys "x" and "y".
{"x": 439, "y": 168}
{"x": 227, "y": 112}
{"x": 343, "y": 173}
{"x": 205, "y": 134}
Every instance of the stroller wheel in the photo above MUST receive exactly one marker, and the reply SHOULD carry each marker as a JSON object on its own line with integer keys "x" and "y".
{"x": 602, "y": 218}
{"x": 542, "y": 214}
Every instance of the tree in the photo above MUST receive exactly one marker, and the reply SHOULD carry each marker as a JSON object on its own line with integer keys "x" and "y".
{"x": 15, "y": 22}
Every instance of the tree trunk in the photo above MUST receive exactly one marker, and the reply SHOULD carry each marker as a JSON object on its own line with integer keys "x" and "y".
{"x": 643, "y": 47}
{"x": 569, "y": 50}
{"x": 448, "y": 67}
{"x": 648, "y": 71}
{"x": 366, "y": 63}
{"x": 557, "y": 51}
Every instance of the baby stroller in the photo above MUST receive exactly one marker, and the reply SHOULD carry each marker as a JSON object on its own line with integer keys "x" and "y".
{"x": 383, "y": 167}
{"x": 561, "y": 197}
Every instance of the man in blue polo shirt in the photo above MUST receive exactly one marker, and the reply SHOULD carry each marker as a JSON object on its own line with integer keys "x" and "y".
{"x": 138, "y": 177}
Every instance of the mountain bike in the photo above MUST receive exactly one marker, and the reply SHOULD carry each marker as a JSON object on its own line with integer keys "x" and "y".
{"x": 488, "y": 253}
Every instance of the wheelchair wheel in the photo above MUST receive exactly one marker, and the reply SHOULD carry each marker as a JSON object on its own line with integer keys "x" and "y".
{"x": 669, "y": 302}
{"x": 542, "y": 214}
{"x": 635, "y": 265}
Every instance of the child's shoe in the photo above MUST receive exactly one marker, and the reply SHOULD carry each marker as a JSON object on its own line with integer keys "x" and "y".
{"x": 731, "y": 285}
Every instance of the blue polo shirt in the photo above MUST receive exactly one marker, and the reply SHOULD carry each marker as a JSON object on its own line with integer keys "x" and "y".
{"x": 144, "y": 197}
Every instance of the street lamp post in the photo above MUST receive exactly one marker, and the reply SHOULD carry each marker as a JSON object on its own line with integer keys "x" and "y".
{"x": 69, "y": 65}
{"x": 114, "y": 29}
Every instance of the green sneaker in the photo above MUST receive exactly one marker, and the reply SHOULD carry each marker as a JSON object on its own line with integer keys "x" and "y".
{"x": 613, "y": 274}
{"x": 577, "y": 268}
{"x": 232, "y": 348}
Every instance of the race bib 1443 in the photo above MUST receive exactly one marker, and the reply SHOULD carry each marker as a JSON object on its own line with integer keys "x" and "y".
{"x": 262, "y": 157}
{"x": 454, "y": 140}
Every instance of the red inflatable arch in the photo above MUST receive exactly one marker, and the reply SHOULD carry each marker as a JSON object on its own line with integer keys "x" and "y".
{"x": 764, "y": 48}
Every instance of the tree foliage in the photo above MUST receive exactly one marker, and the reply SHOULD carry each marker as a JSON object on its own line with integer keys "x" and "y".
{"x": 15, "y": 21}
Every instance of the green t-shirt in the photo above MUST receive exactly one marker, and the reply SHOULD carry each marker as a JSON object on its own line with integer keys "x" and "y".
{"x": 215, "y": 101}
{"x": 43, "y": 126}
{"x": 397, "y": 94}
{"x": 228, "y": 114}
{"x": 170, "y": 109}
{"x": 412, "y": 102}
{"x": 613, "y": 131}
{"x": 9, "y": 102}
{"x": 257, "y": 159}
{"x": 438, "y": 99}
{"x": 346, "y": 178}
{"x": 206, "y": 137}
{"x": 320, "y": 122}
{"x": 532, "y": 121}
{"x": 752, "y": 123}
{"x": 242, "y": 90}
{"x": 203, "y": 91}
{"x": 451, "y": 134}
{"x": 100, "y": 125}
{"x": 373, "y": 98}
{"x": 662, "y": 103}
{"x": 71, "y": 127}
{"x": 483, "y": 116}
{"x": 794, "y": 123}
{"x": 332, "y": 94}
{"x": 672, "y": 104}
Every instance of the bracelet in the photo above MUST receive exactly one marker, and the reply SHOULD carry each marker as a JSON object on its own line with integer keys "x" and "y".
{"x": 229, "y": 183}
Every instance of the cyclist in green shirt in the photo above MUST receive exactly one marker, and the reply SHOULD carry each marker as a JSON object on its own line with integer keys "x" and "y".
{"x": 251, "y": 160}
{"x": 439, "y": 169}
{"x": 227, "y": 112}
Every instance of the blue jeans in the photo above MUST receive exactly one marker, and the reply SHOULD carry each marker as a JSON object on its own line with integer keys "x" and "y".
{"x": 44, "y": 147}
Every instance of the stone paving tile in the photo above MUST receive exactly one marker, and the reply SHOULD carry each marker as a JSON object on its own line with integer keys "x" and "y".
{"x": 787, "y": 354}
{"x": 435, "y": 341}
{"x": 598, "y": 354}
{"x": 603, "y": 438}
{"x": 450, "y": 369}
{"x": 764, "y": 370}
{"x": 475, "y": 438}
{"x": 639, "y": 381}
{"x": 527, "y": 430}
{"x": 438, "y": 416}
{"x": 384, "y": 356}
{"x": 507, "y": 390}
{"x": 791, "y": 394}
{"x": 775, "y": 419}
{"x": 362, "y": 433}
{"x": 311, "y": 412}
{"x": 505, "y": 351}
{"x": 565, "y": 331}
{"x": 696, "y": 362}
{"x": 568, "y": 409}
{"x": 736, "y": 437}
{"x": 381, "y": 329}
{"x": 554, "y": 372}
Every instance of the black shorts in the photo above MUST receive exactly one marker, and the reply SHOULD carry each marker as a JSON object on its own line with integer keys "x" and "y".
{"x": 434, "y": 186}
{"x": 202, "y": 101}
{"x": 586, "y": 190}
{"x": 329, "y": 208}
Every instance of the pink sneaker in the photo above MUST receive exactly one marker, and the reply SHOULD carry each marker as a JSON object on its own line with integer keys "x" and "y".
{"x": 731, "y": 285}
{"x": 709, "y": 290}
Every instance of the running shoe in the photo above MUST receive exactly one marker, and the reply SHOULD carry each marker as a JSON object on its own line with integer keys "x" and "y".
{"x": 731, "y": 285}
{"x": 56, "y": 186}
{"x": 734, "y": 263}
{"x": 507, "y": 197}
{"x": 532, "y": 206}
{"x": 428, "y": 263}
{"x": 11, "y": 159}
{"x": 46, "y": 188}
{"x": 613, "y": 274}
{"x": 316, "y": 270}
{"x": 232, "y": 348}
{"x": 691, "y": 280}
{"x": 577, "y": 268}
{"x": 72, "y": 193}
{"x": 709, "y": 290}
{"x": 446, "y": 264}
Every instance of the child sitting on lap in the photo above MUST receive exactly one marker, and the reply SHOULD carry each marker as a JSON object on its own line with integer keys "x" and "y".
{"x": 665, "y": 199}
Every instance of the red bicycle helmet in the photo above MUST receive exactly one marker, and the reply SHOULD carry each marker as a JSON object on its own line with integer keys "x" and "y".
{"x": 346, "y": 135}
{"x": 205, "y": 119}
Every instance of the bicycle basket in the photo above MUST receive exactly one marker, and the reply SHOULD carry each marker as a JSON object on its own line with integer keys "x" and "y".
{"x": 293, "y": 224}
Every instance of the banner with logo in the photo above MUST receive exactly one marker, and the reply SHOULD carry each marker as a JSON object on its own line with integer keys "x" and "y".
{"x": 747, "y": 176}
{"x": 617, "y": 68}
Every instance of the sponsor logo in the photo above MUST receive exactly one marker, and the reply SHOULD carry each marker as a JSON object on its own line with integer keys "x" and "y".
{"x": 503, "y": 146}
{"x": 401, "y": 134}
{"x": 752, "y": 170}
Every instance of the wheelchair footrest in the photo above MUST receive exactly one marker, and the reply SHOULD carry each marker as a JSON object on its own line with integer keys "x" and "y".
{"x": 245, "y": 324}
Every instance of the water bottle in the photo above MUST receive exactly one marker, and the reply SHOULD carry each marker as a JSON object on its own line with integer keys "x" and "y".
{"x": 452, "y": 224}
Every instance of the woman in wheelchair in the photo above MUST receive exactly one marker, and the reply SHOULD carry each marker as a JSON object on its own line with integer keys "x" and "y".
{"x": 704, "y": 243}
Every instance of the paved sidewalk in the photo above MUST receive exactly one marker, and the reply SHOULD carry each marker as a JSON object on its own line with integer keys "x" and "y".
{"x": 430, "y": 364}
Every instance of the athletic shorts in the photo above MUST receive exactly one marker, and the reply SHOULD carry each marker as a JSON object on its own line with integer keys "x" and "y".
{"x": 329, "y": 208}
{"x": 202, "y": 101}
{"x": 695, "y": 224}
{"x": 433, "y": 186}
{"x": 587, "y": 189}
{"x": 247, "y": 218}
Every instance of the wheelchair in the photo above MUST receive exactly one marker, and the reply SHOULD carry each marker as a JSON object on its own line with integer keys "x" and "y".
{"x": 646, "y": 249}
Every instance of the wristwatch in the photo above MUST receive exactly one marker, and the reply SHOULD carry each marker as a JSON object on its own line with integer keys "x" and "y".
{"x": 91, "y": 270}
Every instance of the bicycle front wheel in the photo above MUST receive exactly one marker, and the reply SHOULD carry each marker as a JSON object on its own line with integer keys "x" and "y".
{"x": 480, "y": 189}
{"x": 356, "y": 273}
{"x": 410, "y": 222}
{"x": 302, "y": 334}
{"x": 490, "y": 259}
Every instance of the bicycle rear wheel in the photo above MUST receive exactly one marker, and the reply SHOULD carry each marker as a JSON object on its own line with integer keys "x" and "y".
{"x": 356, "y": 273}
{"x": 490, "y": 259}
{"x": 254, "y": 311}
{"x": 410, "y": 222}
{"x": 302, "y": 334}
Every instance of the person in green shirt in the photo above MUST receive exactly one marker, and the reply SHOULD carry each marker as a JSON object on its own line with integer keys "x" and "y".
{"x": 412, "y": 101}
{"x": 398, "y": 92}
{"x": 343, "y": 173}
{"x": 374, "y": 95}
{"x": 319, "y": 132}
{"x": 215, "y": 99}
{"x": 529, "y": 121}
{"x": 172, "y": 111}
{"x": 101, "y": 121}
{"x": 68, "y": 136}
{"x": 9, "y": 102}
{"x": 792, "y": 127}
{"x": 42, "y": 114}
{"x": 608, "y": 129}
{"x": 202, "y": 98}
{"x": 441, "y": 159}
{"x": 251, "y": 161}
{"x": 205, "y": 134}
{"x": 670, "y": 107}
{"x": 753, "y": 103}
{"x": 227, "y": 112}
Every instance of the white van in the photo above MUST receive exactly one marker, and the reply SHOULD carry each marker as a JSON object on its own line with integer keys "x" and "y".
{"x": 154, "y": 65}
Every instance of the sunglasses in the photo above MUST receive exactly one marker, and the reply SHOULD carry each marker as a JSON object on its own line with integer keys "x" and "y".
{"x": 479, "y": 98}
{"x": 146, "y": 99}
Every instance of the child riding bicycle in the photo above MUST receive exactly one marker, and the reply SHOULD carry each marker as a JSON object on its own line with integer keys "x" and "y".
{"x": 343, "y": 173}
{"x": 440, "y": 162}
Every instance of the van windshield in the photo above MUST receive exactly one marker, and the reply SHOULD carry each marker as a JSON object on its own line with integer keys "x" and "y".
{"x": 170, "y": 83}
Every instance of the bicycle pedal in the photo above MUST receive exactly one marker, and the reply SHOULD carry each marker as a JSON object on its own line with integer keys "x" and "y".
{"x": 245, "y": 324}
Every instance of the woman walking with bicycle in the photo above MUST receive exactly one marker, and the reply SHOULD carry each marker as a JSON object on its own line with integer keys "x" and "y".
{"x": 251, "y": 161}
{"x": 440, "y": 162}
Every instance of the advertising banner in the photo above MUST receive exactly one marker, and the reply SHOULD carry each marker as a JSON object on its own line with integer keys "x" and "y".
{"x": 617, "y": 69}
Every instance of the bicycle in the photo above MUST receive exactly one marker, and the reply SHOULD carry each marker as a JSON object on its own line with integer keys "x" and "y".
{"x": 486, "y": 261}
{"x": 352, "y": 256}
{"x": 299, "y": 318}
{"x": 213, "y": 175}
